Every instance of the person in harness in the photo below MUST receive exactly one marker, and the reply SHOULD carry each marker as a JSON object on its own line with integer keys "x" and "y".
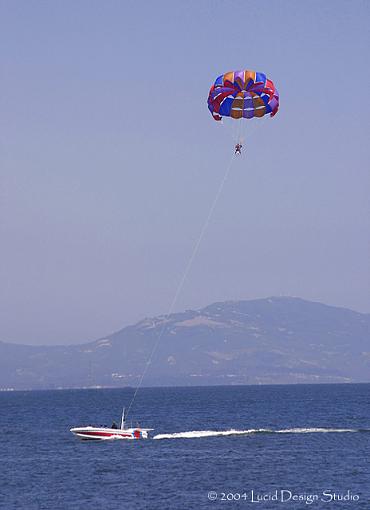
{"x": 238, "y": 148}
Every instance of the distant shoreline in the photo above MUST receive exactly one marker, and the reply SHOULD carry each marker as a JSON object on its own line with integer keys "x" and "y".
{"x": 131, "y": 388}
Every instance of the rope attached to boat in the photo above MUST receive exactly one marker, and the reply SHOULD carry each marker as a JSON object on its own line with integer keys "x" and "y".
{"x": 184, "y": 277}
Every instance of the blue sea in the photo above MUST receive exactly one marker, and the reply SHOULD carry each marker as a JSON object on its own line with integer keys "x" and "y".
{"x": 264, "y": 447}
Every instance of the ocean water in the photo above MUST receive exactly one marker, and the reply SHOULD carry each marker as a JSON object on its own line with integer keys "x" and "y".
{"x": 264, "y": 447}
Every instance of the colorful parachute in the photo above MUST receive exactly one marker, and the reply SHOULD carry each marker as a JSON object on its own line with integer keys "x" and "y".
{"x": 243, "y": 94}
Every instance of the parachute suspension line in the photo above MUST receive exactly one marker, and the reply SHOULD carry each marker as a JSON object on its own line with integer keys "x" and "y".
{"x": 236, "y": 130}
{"x": 256, "y": 126}
{"x": 240, "y": 132}
{"x": 247, "y": 130}
{"x": 183, "y": 278}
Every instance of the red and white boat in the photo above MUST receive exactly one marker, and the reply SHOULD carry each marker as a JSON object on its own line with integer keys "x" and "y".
{"x": 99, "y": 433}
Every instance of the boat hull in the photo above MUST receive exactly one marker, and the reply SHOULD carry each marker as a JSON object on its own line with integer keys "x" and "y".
{"x": 103, "y": 433}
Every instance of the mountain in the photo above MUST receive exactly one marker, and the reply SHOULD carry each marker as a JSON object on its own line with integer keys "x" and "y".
{"x": 274, "y": 340}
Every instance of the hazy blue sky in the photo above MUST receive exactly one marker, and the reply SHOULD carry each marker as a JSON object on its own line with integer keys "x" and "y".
{"x": 110, "y": 160}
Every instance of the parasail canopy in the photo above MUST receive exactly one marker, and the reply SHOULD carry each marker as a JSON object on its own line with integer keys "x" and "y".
{"x": 243, "y": 95}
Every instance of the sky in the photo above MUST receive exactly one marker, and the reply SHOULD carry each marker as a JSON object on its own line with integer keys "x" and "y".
{"x": 110, "y": 160}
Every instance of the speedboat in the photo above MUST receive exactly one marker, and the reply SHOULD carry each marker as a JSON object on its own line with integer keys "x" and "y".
{"x": 96, "y": 433}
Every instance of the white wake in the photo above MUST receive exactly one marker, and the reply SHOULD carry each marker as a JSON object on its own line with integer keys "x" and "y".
{"x": 312, "y": 430}
{"x": 208, "y": 433}
{"x": 194, "y": 434}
